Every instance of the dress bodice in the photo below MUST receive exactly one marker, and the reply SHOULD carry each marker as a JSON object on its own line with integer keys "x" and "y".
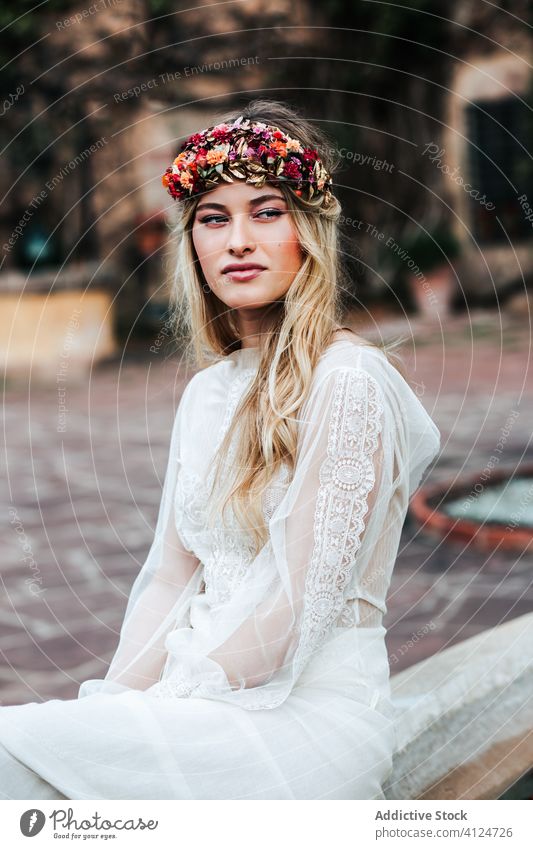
{"x": 226, "y": 549}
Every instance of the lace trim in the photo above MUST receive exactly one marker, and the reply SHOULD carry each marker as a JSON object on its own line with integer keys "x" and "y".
{"x": 346, "y": 478}
{"x": 173, "y": 688}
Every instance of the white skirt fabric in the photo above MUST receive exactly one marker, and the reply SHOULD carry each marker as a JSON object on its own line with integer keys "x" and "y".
{"x": 332, "y": 738}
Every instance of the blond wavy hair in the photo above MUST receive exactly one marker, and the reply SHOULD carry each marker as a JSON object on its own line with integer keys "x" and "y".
{"x": 297, "y": 331}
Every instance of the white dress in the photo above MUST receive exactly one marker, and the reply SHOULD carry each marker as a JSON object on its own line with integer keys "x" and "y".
{"x": 250, "y": 677}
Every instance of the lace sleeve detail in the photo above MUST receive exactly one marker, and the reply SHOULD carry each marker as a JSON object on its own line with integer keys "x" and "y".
{"x": 347, "y": 476}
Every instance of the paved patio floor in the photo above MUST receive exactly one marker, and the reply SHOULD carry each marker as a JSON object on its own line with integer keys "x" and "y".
{"x": 80, "y": 504}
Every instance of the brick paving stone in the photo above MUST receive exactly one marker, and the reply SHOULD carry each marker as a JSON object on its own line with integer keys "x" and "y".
{"x": 87, "y": 500}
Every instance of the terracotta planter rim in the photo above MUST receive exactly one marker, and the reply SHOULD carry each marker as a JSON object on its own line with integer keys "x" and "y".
{"x": 481, "y": 534}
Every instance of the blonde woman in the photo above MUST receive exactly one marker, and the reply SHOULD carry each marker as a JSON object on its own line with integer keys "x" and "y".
{"x": 251, "y": 662}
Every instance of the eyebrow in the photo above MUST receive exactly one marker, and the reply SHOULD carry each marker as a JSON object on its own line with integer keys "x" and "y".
{"x": 253, "y": 202}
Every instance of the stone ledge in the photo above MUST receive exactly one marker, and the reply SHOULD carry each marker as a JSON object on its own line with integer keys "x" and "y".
{"x": 55, "y": 337}
{"x": 85, "y": 276}
{"x": 489, "y": 775}
{"x": 461, "y": 715}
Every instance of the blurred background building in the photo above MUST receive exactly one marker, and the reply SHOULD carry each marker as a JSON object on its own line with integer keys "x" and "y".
{"x": 430, "y": 109}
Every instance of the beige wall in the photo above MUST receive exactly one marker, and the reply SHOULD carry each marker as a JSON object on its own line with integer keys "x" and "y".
{"x": 496, "y": 75}
{"x": 54, "y": 337}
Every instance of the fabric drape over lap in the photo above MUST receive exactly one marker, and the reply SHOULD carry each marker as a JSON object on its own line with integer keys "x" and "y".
{"x": 364, "y": 441}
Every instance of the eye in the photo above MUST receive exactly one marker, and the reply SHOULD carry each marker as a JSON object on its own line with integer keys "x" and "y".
{"x": 274, "y": 213}
{"x": 208, "y": 219}
{"x": 219, "y": 219}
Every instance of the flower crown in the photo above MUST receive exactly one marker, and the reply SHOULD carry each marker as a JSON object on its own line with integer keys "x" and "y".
{"x": 249, "y": 151}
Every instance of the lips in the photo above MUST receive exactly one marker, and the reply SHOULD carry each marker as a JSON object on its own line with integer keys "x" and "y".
{"x": 243, "y": 272}
{"x": 242, "y": 266}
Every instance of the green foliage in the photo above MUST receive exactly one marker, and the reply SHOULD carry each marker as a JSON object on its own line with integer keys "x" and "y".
{"x": 22, "y": 24}
{"x": 22, "y": 20}
{"x": 160, "y": 7}
{"x": 434, "y": 248}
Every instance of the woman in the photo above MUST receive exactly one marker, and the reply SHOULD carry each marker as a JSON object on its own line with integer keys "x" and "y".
{"x": 251, "y": 662}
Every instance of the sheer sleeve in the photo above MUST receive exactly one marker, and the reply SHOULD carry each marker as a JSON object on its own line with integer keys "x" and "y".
{"x": 317, "y": 560}
{"x": 160, "y": 596}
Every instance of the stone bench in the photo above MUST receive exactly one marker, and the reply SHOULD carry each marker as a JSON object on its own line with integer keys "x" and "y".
{"x": 465, "y": 721}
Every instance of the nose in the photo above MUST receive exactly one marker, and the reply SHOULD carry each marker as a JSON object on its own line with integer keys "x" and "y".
{"x": 240, "y": 239}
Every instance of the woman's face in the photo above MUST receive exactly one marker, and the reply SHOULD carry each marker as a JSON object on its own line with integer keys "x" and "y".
{"x": 237, "y": 225}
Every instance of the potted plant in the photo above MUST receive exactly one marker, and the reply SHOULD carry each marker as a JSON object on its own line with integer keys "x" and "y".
{"x": 429, "y": 266}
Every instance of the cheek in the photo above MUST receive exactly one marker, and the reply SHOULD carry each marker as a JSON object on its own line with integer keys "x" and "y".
{"x": 203, "y": 246}
{"x": 197, "y": 240}
{"x": 289, "y": 247}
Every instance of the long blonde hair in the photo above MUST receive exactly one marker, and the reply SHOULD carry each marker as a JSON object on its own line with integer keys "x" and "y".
{"x": 299, "y": 329}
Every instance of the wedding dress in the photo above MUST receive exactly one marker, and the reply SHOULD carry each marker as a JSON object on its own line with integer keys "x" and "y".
{"x": 250, "y": 677}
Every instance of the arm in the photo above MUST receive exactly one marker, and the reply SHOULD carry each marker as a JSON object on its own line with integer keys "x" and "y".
{"x": 160, "y": 596}
{"x": 140, "y": 656}
{"x": 296, "y": 588}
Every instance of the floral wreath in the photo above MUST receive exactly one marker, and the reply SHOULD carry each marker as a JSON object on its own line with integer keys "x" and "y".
{"x": 246, "y": 150}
